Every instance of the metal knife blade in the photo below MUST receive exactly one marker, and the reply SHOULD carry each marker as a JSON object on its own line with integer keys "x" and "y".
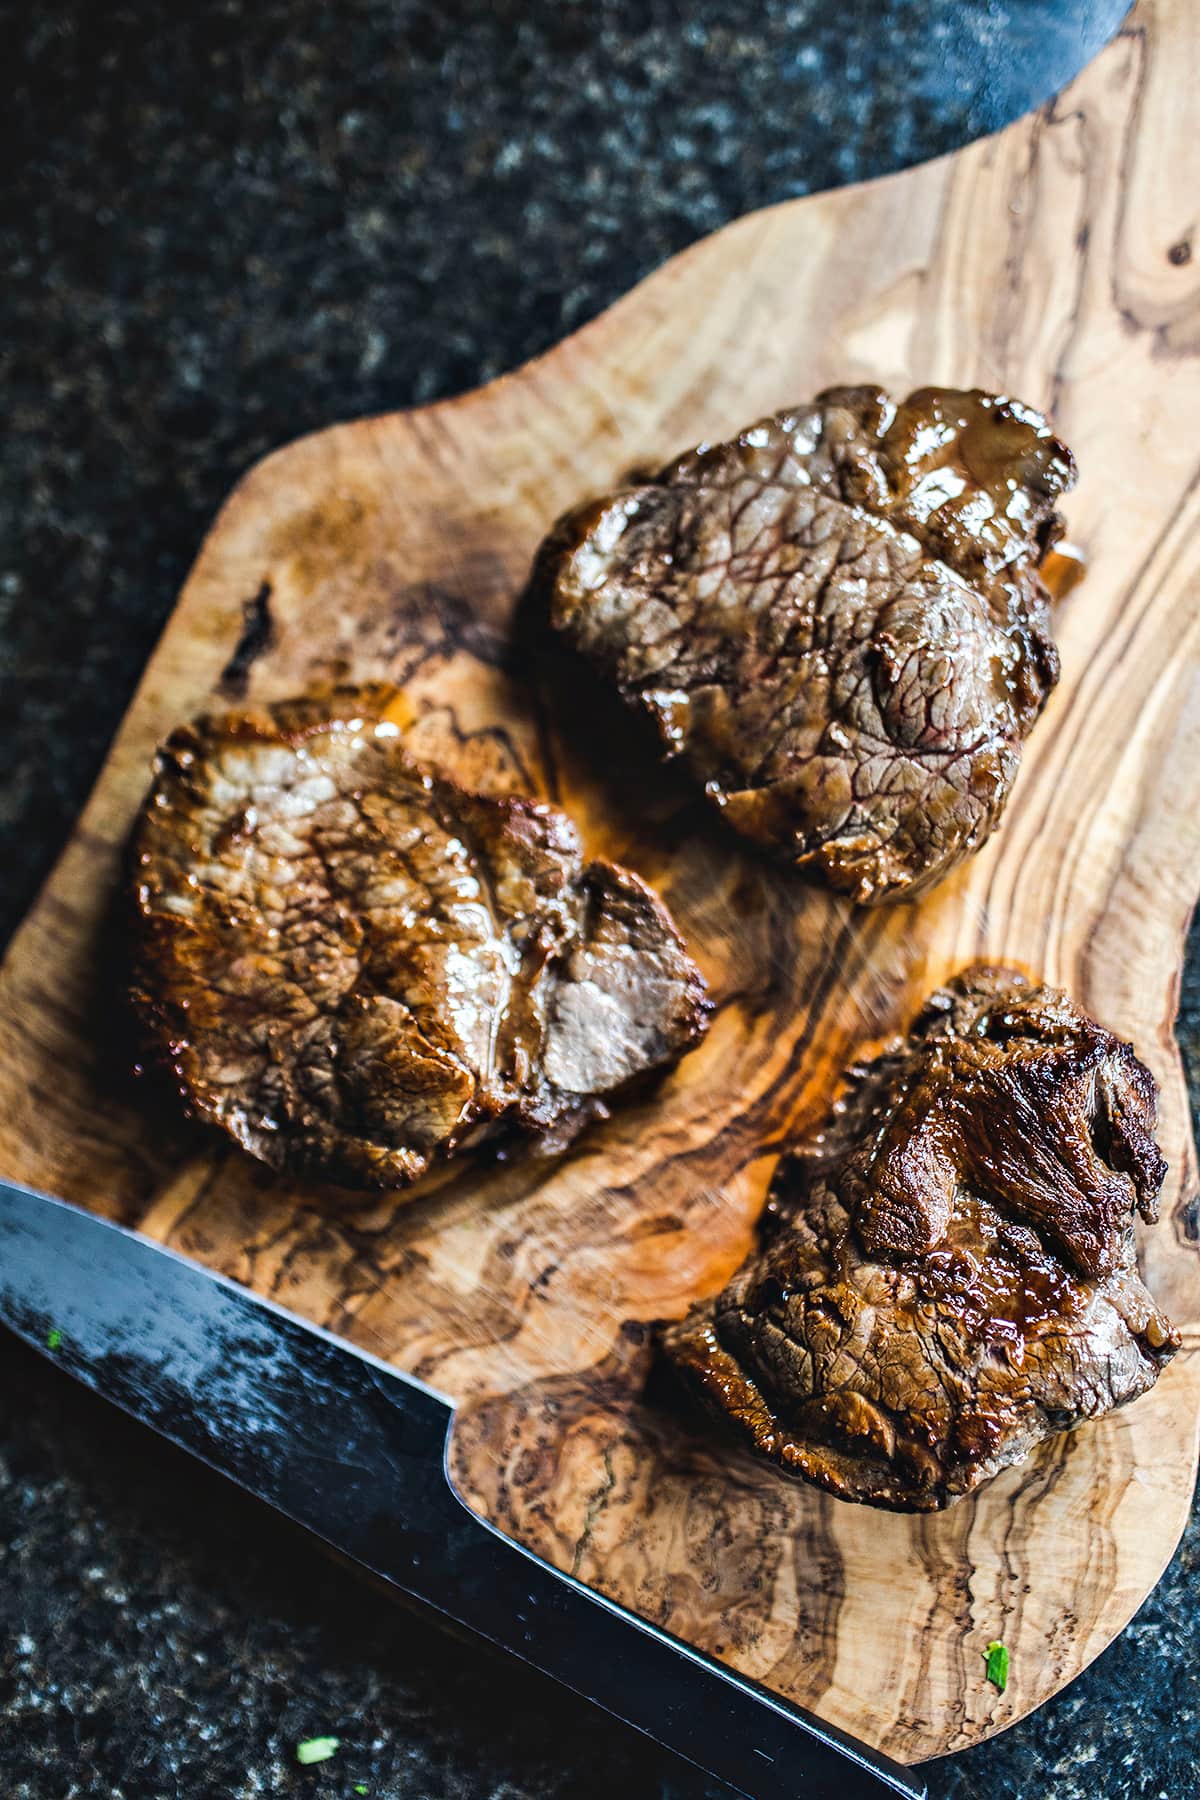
{"x": 356, "y": 1451}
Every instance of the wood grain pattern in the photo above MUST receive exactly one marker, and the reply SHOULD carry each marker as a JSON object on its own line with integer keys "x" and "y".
{"x": 1053, "y": 261}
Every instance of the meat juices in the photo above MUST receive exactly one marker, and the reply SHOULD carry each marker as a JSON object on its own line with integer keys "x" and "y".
{"x": 837, "y": 620}
{"x": 952, "y": 1277}
{"x": 353, "y": 965}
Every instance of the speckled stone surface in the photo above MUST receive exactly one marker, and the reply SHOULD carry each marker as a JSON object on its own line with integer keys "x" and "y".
{"x": 223, "y": 225}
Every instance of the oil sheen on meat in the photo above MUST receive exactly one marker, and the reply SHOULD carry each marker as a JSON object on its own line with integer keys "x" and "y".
{"x": 836, "y": 620}
{"x": 354, "y": 966}
{"x": 949, "y": 1273}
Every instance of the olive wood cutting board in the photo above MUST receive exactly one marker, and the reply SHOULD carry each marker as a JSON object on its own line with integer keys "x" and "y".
{"x": 1055, "y": 262}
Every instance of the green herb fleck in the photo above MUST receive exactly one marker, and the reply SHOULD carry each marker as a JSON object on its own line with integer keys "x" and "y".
{"x": 360, "y": 1787}
{"x": 996, "y": 1658}
{"x": 53, "y": 1338}
{"x": 315, "y": 1750}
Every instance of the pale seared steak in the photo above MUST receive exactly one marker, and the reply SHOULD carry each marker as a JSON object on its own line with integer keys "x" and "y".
{"x": 837, "y": 620}
{"x": 353, "y": 965}
{"x": 952, "y": 1277}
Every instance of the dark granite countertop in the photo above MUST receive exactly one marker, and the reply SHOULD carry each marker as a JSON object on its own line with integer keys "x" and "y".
{"x": 225, "y": 224}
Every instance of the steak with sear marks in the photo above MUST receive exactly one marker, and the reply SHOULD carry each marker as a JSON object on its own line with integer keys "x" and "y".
{"x": 353, "y": 965}
{"x": 837, "y": 620}
{"x": 952, "y": 1277}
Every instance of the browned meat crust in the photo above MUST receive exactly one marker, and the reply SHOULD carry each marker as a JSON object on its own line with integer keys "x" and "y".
{"x": 352, "y": 965}
{"x": 837, "y": 620}
{"x": 953, "y": 1278}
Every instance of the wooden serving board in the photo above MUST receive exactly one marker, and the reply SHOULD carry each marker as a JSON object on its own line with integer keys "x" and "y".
{"x": 1055, "y": 262}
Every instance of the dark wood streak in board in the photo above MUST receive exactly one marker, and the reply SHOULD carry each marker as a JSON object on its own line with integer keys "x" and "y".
{"x": 258, "y": 634}
{"x": 397, "y": 548}
{"x": 817, "y": 1568}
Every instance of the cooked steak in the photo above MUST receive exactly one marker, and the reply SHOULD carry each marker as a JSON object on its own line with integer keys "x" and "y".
{"x": 353, "y": 965}
{"x": 837, "y": 620}
{"x": 953, "y": 1276}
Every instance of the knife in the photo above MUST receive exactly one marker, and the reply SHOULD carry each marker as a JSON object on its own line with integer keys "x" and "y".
{"x": 356, "y": 1451}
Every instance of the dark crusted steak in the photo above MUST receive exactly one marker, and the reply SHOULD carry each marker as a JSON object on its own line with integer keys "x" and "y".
{"x": 352, "y": 965}
{"x": 837, "y": 619}
{"x": 953, "y": 1276}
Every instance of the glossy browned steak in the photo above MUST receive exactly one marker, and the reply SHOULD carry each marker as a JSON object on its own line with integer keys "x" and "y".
{"x": 837, "y": 620}
{"x": 953, "y": 1277}
{"x": 353, "y": 965}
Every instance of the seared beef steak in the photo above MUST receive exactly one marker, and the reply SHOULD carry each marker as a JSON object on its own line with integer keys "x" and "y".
{"x": 953, "y": 1277}
{"x": 351, "y": 964}
{"x": 837, "y": 619}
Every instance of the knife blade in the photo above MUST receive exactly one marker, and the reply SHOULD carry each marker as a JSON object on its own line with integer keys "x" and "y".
{"x": 355, "y": 1451}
